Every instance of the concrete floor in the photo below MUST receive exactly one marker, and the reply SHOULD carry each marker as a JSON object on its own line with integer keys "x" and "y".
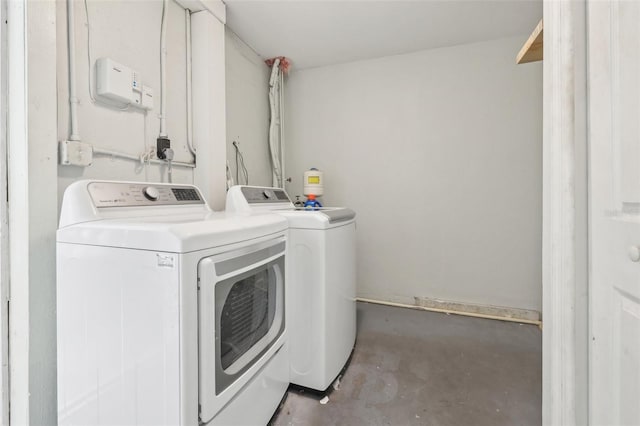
{"x": 413, "y": 367}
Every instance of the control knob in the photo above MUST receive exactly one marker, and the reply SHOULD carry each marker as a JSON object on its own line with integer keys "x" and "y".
{"x": 151, "y": 193}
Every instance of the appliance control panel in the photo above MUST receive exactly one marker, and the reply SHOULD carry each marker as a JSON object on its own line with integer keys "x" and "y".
{"x": 125, "y": 194}
{"x": 255, "y": 195}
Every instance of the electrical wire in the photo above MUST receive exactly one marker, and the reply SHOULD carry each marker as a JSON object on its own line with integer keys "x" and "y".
{"x": 240, "y": 165}
{"x": 275, "y": 145}
{"x": 163, "y": 70}
{"x": 145, "y": 157}
{"x": 281, "y": 128}
{"x": 150, "y": 151}
{"x": 74, "y": 134}
{"x": 89, "y": 63}
{"x": 230, "y": 182}
{"x": 189, "y": 88}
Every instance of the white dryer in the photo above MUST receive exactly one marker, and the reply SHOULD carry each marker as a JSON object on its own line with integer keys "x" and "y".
{"x": 321, "y": 282}
{"x": 168, "y": 313}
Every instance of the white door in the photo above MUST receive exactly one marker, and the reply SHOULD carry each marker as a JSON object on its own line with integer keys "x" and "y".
{"x": 614, "y": 117}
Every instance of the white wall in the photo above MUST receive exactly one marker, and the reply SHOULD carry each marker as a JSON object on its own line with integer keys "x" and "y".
{"x": 439, "y": 153}
{"x": 209, "y": 119}
{"x": 248, "y": 110}
{"x": 129, "y": 33}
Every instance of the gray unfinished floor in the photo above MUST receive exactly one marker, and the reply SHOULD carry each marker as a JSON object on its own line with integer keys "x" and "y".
{"x": 413, "y": 367}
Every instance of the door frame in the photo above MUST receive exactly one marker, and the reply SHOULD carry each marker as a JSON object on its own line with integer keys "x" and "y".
{"x": 564, "y": 236}
{"x": 565, "y": 215}
{"x": 4, "y": 224}
{"x": 32, "y": 209}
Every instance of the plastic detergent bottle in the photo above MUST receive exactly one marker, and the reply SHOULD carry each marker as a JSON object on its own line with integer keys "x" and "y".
{"x": 312, "y": 203}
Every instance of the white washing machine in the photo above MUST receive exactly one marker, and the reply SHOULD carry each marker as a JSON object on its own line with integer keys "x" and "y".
{"x": 168, "y": 313}
{"x": 321, "y": 282}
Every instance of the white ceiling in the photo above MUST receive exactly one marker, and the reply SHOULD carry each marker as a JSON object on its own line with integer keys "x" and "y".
{"x": 315, "y": 33}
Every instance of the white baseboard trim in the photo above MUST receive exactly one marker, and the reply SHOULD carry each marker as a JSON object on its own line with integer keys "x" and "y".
{"x": 523, "y": 316}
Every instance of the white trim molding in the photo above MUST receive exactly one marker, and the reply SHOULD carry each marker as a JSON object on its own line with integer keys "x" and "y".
{"x": 216, "y": 7}
{"x": 4, "y": 224}
{"x": 33, "y": 211}
{"x": 463, "y": 309}
{"x": 564, "y": 238}
{"x": 19, "y": 289}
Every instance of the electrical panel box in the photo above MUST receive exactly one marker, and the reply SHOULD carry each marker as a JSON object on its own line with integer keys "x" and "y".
{"x": 75, "y": 153}
{"x": 122, "y": 84}
{"x": 113, "y": 80}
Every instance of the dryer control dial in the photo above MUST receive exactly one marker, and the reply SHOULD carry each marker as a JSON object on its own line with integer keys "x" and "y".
{"x": 151, "y": 193}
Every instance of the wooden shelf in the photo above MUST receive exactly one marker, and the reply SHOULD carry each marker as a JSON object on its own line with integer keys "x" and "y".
{"x": 532, "y": 49}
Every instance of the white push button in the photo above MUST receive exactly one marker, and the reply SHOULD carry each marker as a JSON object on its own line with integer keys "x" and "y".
{"x": 634, "y": 253}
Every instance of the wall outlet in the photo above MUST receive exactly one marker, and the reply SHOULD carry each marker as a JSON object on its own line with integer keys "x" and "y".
{"x": 75, "y": 153}
{"x": 162, "y": 143}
